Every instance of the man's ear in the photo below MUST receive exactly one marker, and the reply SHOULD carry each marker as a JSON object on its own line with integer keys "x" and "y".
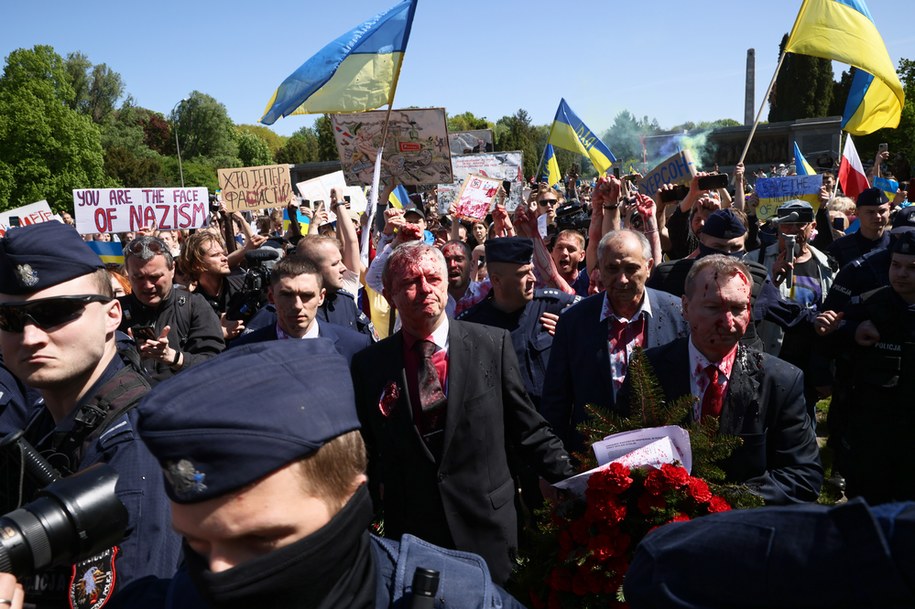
{"x": 321, "y": 296}
{"x": 684, "y": 305}
{"x": 113, "y": 316}
{"x": 387, "y": 297}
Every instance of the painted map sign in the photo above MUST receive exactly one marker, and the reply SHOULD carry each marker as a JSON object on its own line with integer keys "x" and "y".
{"x": 415, "y": 151}
{"x": 245, "y": 188}
{"x": 118, "y": 210}
{"x": 470, "y": 142}
{"x": 475, "y": 198}
{"x": 677, "y": 169}
{"x": 772, "y": 192}
{"x": 500, "y": 165}
{"x": 33, "y": 213}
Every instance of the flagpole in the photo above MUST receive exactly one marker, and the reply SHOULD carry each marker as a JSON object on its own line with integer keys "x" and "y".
{"x": 765, "y": 100}
{"x": 835, "y": 187}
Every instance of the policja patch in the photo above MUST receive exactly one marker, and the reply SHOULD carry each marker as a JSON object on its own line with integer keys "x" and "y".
{"x": 92, "y": 581}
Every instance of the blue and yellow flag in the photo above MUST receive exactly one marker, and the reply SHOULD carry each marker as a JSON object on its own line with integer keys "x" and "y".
{"x": 399, "y": 197}
{"x": 551, "y": 174}
{"x": 888, "y": 186}
{"x": 569, "y": 133}
{"x": 801, "y": 166}
{"x": 844, "y": 31}
{"x": 111, "y": 252}
{"x": 356, "y": 72}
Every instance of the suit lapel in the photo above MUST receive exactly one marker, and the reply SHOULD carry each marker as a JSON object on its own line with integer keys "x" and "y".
{"x": 742, "y": 397}
{"x": 676, "y": 355}
{"x": 460, "y": 351}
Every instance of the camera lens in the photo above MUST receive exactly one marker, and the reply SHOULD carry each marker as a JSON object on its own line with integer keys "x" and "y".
{"x": 72, "y": 518}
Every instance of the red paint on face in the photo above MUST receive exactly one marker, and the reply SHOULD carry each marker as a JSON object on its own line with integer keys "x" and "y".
{"x": 719, "y": 313}
{"x": 419, "y": 291}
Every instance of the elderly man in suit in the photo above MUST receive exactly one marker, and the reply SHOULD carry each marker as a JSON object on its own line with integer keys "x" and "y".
{"x": 755, "y": 396}
{"x": 442, "y": 404}
{"x": 595, "y": 337}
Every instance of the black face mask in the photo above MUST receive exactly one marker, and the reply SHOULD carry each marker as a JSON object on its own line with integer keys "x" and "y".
{"x": 332, "y": 567}
{"x": 705, "y": 250}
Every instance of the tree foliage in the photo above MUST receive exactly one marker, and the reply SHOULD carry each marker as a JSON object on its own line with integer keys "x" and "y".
{"x": 274, "y": 140}
{"x": 252, "y": 149}
{"x": 204, "y": 127}
{"x": 803, "y": 87}
{"x": 515, "y": 132}
{"x": 96, "y": 89}
{"x": 467, "y": 121}
{"x": 327, "y": 145}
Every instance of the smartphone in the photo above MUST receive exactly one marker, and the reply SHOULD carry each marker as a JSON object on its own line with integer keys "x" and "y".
{"x": 616, "y": 172}
{"x": 507, "y": 186}
{"x": 714, "y": 181}
{"x": 346, "y": 200}
{"x": 883, "y": 148}
{"x": 144, "y": 332}
{"x": 677, "y": 193}
{"x": 14, "y": 221}
{"x": 838, "y": 224}
{"x": 632, "y": 177}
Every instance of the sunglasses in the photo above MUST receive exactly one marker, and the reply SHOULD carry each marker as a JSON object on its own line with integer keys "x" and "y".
{"x": 45, "y": 313}
{"x": 545, "y": 202}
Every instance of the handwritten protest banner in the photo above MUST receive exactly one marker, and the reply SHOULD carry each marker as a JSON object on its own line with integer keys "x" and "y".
{"x": 33, "y": 213}
{"x": 245, "y": 188}
{"x": 415, "y": 150}
{"x": 476, "y": 196}
{"x": 677, "y": 169}
{"x": 116, "y": 210}
{"x": 500, "y": 165}
{"x": 772, "y": 192}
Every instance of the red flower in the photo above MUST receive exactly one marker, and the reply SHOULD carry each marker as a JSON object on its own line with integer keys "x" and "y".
{"x": 674, "y": 475}
{"x": 612, "y": 479}
{"x": 603, "y": 510}
{"x": 717, "y": 504}
{"x": 681, "y": 517}
{"x": 698, "y": 490}
{"x": 389, "y": 398}
{"x": 648, "y": 501}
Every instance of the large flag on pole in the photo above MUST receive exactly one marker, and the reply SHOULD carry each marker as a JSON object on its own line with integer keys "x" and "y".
{"x": 801, "y": 166}
{"x": 570, "y": 133}
{"x": 844, "y": 31}
{"x": 851, "y": 172}
{"x": 356, "y": 72}
{"x": 551, "y": 167}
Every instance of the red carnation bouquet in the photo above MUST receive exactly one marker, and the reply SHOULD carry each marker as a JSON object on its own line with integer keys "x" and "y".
{"x": 597, "y": 536}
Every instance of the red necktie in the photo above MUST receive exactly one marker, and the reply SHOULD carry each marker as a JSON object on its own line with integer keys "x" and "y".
{"x": 431, "y": 394}
{"x": 713, "y": 399}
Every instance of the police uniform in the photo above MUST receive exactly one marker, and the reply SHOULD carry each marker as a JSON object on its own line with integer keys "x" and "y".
{"x": 207, "y": 453}
{"x": 848, "y": 248}
{"x": 100, "y": 428}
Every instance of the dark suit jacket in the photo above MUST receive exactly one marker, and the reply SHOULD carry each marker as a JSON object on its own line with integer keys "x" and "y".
{"x": 464, "y": 501}
{"x": 579, "y": 367}
{"x": 765, "y": 406}
{"x": 347, "y": 342}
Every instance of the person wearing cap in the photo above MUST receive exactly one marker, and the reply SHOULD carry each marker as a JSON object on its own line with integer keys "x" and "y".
{"x": 182, "y": 329}
{"x": 442, "y": 407}
{"x": 876, "y": 340}
{"x": 873, "y": 211}
{"x": 297, "y": 291}
{"x": 58, "y": 320}
{"x": 274, "y": 509}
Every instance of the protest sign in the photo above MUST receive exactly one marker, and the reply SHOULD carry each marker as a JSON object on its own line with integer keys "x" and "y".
{"x": 499, "y": 165}
{"x": 117, "y": 210}
{"x": 772, "y": 192}
{"x": 33, "y": 213}
{"x": 318, "y": 189}
{"x": 469, "y": 142}
{"x": 245, "y": 188}
{"x": 415, "y": 152}
{"x": 677, "y": 169}
{"x": 476, "y": 196}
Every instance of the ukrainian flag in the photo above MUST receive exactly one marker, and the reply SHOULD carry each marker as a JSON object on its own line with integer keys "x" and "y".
{"x": 801, "y": 166}
{"x": 111, "y": 252}
{"x": 889, "y": 187}
{"x": 399, "y": 197}
{"x": 569, "y": 133}
{"x": 356, "y": 72}
{"x": 844, "y": 31}
{"x": 552, "y": 175}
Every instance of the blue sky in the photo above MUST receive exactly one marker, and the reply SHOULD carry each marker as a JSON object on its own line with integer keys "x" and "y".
{"x": 673, "y": 61}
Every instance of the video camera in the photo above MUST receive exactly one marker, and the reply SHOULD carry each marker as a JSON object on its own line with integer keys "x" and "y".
{"x": 69, "y": 519}
{"x": 571, "y": 216}
{"x": 253, "y": 294}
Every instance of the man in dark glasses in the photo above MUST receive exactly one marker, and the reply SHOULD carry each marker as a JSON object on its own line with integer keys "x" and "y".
{"x": 173, "y": 328}
{"x": 57, "y": 333}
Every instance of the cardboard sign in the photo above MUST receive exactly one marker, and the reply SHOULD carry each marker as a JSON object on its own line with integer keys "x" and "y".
{"x": 678, "y": 169}
{"x": 499, "y": 165}
{"x": 476, "y": 196}
{"x": 470, "y": 142}
{"x": 33, "y": 213}
{"x": 118, "y": 210}
{"x": 772, "y": 192}
{"x": 415, "y": 151}
{"x": 255, "y": 187}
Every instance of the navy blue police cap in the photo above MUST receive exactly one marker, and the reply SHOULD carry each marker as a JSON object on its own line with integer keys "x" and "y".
{"x": 903, "y": 243}
{"x": 42, "y": 255}
{"x": 871, "y": 197}
{"x": 230, "y": 421}
{"x": 904, "y": 220}
{"x": 723, "y": 224}
{"x": 514, "y": 250}
{"x": 803, "y": 209}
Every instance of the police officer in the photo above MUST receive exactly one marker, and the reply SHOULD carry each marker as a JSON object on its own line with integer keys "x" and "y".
{"x": 58, "y": 320}
{"x": 873, "y": 211}
{"x": 515, "y": 305}
{"x": 274, "y": 508}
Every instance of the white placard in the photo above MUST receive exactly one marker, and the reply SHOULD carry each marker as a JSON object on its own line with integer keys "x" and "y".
{"x": 118, "y": 210}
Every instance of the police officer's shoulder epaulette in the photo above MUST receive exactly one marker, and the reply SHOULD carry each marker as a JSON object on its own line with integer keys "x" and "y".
{"x": 347, "y": 294}
{"x": 866, "y": 296}
{"x": 550, "y": 293}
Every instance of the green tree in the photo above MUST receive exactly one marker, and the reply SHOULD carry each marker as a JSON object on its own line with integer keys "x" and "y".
{"x": 301, "y": 147}
{"x": 803, "y": 88}
{"x": 204, "y": 128}
{"x": 274, "y": 140}
{"x": 515, "y": 132}
{"x": 252, "y": 149}
{"x": 327, "y": 145}
{"x": 97, "y": 89}
{"x": 130, "y": 170}
{"x": 46, "y": 148}
{"x": 467, "y": 122}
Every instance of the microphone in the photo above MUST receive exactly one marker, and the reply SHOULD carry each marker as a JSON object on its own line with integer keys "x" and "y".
{"x": 425, "y": 585}
{"x": 789, "y": 219}
{"x": 790, "y": 241}
{"x": 261, "y": 255}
